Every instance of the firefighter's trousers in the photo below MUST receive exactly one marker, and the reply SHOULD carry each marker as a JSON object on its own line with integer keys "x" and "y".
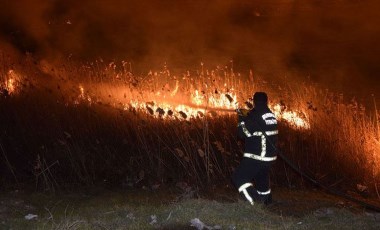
{"x": 251, "y": 170}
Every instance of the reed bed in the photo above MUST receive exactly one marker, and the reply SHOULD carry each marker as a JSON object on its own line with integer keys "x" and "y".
{"x": 67, "y": 125}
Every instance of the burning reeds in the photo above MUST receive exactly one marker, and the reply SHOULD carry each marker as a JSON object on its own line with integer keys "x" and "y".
{"x": 120, "y": 124}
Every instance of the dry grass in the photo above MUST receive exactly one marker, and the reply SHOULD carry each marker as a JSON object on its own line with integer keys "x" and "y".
{"x": 342, "y": 143}
{"x": 95, "y": 140}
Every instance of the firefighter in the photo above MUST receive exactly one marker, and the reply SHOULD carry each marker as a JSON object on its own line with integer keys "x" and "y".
{"x": 259, "y": 151}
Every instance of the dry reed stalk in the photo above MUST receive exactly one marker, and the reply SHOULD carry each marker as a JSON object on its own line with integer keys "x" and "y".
{"x": 8, "y": 164}
{"x": 377, "y": 118}
{"x": 49, "y": 181}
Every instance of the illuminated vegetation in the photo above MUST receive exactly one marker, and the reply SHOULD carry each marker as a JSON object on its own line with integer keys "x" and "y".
{"x": 101, "y": 124}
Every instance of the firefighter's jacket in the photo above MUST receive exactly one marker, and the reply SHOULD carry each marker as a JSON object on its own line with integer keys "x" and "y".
{"x": 251, "y": 127}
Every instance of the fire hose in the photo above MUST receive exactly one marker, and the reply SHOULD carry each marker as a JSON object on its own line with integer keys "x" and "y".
{"x": 311, "y": 179}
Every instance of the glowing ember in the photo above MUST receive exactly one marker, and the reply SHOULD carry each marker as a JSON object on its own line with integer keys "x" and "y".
{"x": 83, "y": 96}
{"x": 10, "y": 83}
{"x": 197, "y": 98}
{"x": 175, "y": 89}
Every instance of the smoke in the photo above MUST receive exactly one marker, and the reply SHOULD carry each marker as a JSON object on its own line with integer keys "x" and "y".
{"x": 335, "y": 42}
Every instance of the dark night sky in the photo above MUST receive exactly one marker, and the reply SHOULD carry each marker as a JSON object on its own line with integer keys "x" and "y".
{"x": 336, "y": 42}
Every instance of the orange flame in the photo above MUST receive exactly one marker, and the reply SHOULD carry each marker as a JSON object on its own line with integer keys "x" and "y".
{"x": 10, "y": 84}
{"x": 197, "y": 105}
{"x": 83, "y": 96}
{"x": 292, "y": 117}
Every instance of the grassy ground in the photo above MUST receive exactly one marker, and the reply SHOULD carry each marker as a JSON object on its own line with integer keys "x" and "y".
{"x": 173, "y": 208}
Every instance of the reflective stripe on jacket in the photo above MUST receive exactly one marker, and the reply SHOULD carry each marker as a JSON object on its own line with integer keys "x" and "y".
{"x": 251, "y": 129}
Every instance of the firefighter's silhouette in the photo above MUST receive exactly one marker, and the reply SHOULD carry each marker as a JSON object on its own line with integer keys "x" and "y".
{"x": 258, "y": 129}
